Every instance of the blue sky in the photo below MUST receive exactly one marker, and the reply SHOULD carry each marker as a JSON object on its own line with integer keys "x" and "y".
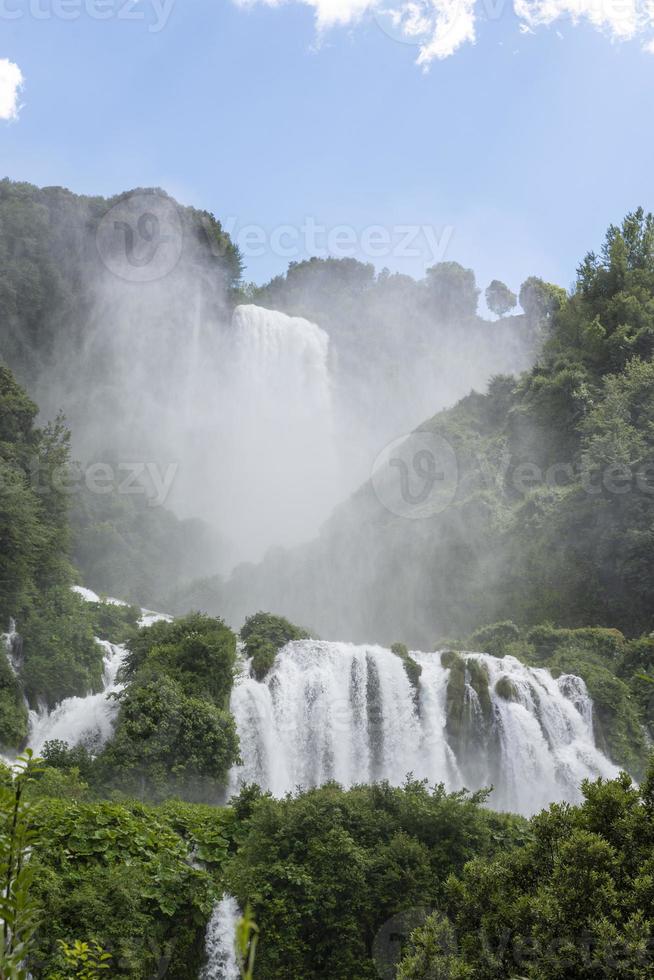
{"x": 516, "y": 150}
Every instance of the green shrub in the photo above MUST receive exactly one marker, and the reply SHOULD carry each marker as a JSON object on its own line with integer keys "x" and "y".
{"x": 264, "y": 634}
{"x": 114, "y": 621}
{"x": 197, "y": 651}
{"x": 574, "y": 901}
{"x": 324, "y": 870}
{"x": 122, "y": 875}
{"x": 167, "y": 743}
{"x": 13, "y": 712}
{"x": 61, "y": 657}
{"x": 494, "y": 639}
{"x": 262, "y": 653}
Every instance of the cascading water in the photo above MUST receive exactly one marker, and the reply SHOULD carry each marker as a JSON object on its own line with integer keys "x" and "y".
{"x": 87, "y": 720}
{"x": 281, "y": 477}
{"x": 220, "y": 940}
{"x": 349, "y": 713}
{"x": 13, "y": 648}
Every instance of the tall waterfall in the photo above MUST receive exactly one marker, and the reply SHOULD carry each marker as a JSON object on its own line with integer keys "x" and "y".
{"x": 349, "y": 713}
{"x": 281, "y": 477}
{"x": 220, "y": 942}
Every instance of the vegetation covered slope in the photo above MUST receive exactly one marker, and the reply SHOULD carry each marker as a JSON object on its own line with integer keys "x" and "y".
{"x": 55, "y": 651}
{"x": 551, "y": 518}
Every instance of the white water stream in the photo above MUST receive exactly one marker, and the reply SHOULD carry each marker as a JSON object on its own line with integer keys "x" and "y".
{"x": 349, "y": 713}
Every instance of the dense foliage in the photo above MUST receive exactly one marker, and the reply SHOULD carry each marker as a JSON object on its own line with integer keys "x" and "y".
{"x": 120, "y": 875}
{"x": 174, "y": 733}
{"x": 54, "y": 647}
{"x": 324, "y": 870}
{"x": 575, "y": 901}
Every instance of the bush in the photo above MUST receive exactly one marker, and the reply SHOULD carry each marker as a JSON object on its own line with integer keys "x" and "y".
{"x": 575, "y": 901}
{"x": 167, "y": 743}
{"x": 61, "y": 657}
{"x": 326, "y": 869}
{"x": 122, "y": 876}
{"x": 114, "y": 621}
{"x": 198, "y": 651}
{"x": 264, "y": 634}
{"x": 494, "y": 639}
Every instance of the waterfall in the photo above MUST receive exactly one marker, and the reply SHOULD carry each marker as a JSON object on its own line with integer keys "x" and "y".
{"x": 220, "y": 942}
{"x": 349, "y": 713}
{"x": 13, "y": 648}
{"x": 88, "y": 720}
{"x": 281, "y": 479}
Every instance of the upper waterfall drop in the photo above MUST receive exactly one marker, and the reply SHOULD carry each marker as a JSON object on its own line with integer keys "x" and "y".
{"x": 281, "y": 475}
{"x": 350, "y": 713}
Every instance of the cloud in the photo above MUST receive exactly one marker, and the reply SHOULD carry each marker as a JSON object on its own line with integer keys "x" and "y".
{"x": 11, "y": 82}
{"x": 438, "y": 28}
{"x": 622, "y": 20}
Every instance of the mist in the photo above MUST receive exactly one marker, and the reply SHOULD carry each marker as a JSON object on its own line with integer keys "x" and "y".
{"x": 256, "y": 411}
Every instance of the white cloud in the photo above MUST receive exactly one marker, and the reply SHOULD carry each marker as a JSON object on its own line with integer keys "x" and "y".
{"x": 438, "y": 28}
{"x": 11, "y": 82}
{"x": 621, "y": 19}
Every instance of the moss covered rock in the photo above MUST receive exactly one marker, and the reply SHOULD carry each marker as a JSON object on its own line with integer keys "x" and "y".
{"x": 505, "y": 688}
{"x": 413, "y": 669}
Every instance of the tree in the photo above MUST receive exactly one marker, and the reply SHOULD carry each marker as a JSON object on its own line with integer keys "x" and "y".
{"x": 499, "y": 298}
{"x": 540, "y": 299}
{"x": 166, "y": 742}
{"x": 575, "y": 901}
{"x": 452, "y": 291}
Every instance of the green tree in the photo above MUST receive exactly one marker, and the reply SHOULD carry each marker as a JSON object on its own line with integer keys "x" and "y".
{"x": 452, "y": 292}
{"x": 499, "y": 298}
{"x": 540, "y": 300}
{"x": 575, "y": 901}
